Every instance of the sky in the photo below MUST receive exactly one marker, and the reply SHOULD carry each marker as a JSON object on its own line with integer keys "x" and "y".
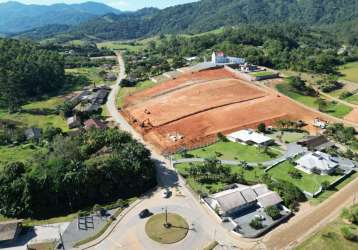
{"x": 119, "y": 4}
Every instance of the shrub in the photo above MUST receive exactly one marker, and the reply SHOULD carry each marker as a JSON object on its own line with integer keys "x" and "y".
{"x": 325, "y": 185}
{"x": 256, "y": 224}
{"x": 261, "y": 128}
{"x": 345, "y": 95}
{"x": 295, "y": 174}
{"x": 222, "y": 137}
{"x": 348, "y": 234}
{"x": 273, "y": 212}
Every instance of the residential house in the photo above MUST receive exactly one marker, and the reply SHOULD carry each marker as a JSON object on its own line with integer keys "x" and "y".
{"x": 74, "y": 122}
{"x": 317, "y": 163}
{"x": 94, "y": 123}
{"x": 241, "y": 197}
{"x": 250, "y": 137}
{"x": 315, "y": 143}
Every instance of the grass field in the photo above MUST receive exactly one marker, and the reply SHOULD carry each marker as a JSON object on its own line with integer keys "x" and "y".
{"x": 125, "y": 91}
{"x": 308, "y": 182}
{"x": 335, "y": 109}
{"x": 117, "y": 45}
{"x": 51, "y": 103}
{"x": 349, "y": 72}
{"x": 261, "y": 73}
{"x": 155, "y": 229}
{"x": 251, "y": 175}
{"x": 234, "y": 151}
{"x": 331, "y": 238}
{"x": 288, "y": 137}
{"x": 92, "y": 73}
{"x": 17, "y": 153}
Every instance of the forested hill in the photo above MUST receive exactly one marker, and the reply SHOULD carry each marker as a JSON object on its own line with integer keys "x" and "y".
{"x": 211, "y": 14}
{"x": 17, "y": 17}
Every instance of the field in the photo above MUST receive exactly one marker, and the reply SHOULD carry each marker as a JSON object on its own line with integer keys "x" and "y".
{"x": 308, "y": 182}
{"x": 92, "y": 73}
{"x": 261, "y": 73}
{"x": 16, "y": 153}
{"x": 199, "y": 105}
{"x": 126, "y": 91}
{"x": 234, "y": 151}
{"x": 331, "y": 238}
{"x": 288, "y": 137}
{"x": 250, "y": 175}
{"x": 335, "y": 109}
{"x": 350, "y": 72}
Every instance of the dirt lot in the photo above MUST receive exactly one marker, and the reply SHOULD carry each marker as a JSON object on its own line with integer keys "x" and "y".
{"x": 199, "y": 105}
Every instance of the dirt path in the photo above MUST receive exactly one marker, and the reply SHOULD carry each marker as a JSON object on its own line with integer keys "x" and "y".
{"x": 292, "y": 234}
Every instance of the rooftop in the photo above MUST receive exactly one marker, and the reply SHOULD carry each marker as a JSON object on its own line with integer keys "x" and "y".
{"x": 9, "y": 229}
{"x": 319, "y": 160}
{"x": 248, "y": 135}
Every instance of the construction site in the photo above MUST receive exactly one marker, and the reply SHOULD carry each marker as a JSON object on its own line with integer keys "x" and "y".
{"x": 189, "y": 111}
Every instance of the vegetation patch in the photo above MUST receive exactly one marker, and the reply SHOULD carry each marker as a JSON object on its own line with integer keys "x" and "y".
{"x": 349, "y": 72}
{"x": 126, "y": 91}
{"x": 176, "y": 231}
{"x": 232, "y": 151}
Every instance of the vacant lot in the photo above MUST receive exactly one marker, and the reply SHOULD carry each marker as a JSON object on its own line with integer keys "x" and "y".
{"x": 308, "y": 182}
{"x": 234, "y": 151}
{"x": 17, "y": 153}
{"x": 350, "y": 72}
{"x": 127, "y": 91}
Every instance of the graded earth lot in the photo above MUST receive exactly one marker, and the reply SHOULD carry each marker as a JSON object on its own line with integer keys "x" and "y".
{"x": 190, "y": 110}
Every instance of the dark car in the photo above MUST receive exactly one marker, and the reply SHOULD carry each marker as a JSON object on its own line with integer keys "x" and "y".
{"x": 144, "y": 213}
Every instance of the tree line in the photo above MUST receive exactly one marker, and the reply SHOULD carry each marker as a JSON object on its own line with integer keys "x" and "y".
{"x": 74, "y": 173}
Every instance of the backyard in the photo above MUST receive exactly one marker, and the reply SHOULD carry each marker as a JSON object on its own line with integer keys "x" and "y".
{"x": 349, "y": 72}
{"x": 288, "y": 137}
{"x": 92, "y": 73}
{"x": 307, "y": 182}
{"x": 234, "y": 151}
{"x": 17, "y": 153}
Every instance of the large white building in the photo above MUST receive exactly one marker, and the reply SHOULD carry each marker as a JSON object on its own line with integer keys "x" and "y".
{"x": 242, "y": 197}
{"x": 317, "y": 162}
{"x": 221, "y": 58}
{"x": 249, "y": 136}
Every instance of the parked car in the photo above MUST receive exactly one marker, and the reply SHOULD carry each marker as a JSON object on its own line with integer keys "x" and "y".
{"x": 166, "y": 194}
{"x": 144, "y": 214}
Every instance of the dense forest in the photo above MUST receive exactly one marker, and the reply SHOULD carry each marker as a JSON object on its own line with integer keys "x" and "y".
{"x": 338, "y": 16}
{"x": 27, "y": 71}
{"x": 74, "y": 173}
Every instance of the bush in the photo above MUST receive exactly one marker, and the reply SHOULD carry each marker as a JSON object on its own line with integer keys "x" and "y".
{"x": 345, "y": 95}
{"x": 295, "y": 174}
{"x": 261, "y": 128}
{"x": 325, "y": 185}
{"x": 348, "y": 234}
{"x": 222, "y": 137}
{"x": 256, "y": 224}
{"x": 273, "y": 212}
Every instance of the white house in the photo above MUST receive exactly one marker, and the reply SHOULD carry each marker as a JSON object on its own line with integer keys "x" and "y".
{"x": 221, "y": 58}
{"x": 249, "y": 136}
{"x": 317, "y": 162}
{"x": 241, "y": 197}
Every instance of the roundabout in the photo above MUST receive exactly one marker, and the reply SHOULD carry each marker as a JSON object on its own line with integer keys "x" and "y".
{"x": 166, "y": 228}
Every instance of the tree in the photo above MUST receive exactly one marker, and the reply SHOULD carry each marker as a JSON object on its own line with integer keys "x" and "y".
{"x": 256, "y": 224}
{"x": 325, "y": 185}
{"x": 348, "y": 234}
{"x": 261, "y": 128}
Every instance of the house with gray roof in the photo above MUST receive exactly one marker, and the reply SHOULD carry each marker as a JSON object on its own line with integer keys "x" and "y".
{"x": 317, "y": 163}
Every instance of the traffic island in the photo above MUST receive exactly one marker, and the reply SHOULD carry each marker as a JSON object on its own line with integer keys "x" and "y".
{"x": 168, "y": 230}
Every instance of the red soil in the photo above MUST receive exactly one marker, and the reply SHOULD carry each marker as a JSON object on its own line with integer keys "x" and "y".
{"x": 200, "y": 105}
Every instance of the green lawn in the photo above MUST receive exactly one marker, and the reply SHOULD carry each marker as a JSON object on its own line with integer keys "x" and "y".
{"x": 252, "y": 176}
{"x": 50, "y": 103}
{"x": 125, "y": 91}
{"x": 92, "y": 73}
{"x": 308, "y": 182}
{"x": 323, "y": 196}
{"x": 352, "y": 99}
{"x": 234, "y": 151}
{"x": 261, "y": 73}
{"x": 117, "y": 45}
{"x": 331, "y": 238}
{"x": 350, "y": 72}
{"x": 288, "y": 137}
{"x": 335, "y": 109}
{"x": 40, "y": 121}
{"x": 18, "y": 153}
{"x": 155, "y": 229}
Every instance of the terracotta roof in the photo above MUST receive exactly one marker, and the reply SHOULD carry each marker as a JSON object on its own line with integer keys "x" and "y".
{"x": 94, "y": 123}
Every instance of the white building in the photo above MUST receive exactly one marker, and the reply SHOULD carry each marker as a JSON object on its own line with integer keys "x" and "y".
{"x": 241, "y": 197}
{"x": 317, "y": 162}
{"x": 221, "y": 58}
{"x": 249, "y": 136}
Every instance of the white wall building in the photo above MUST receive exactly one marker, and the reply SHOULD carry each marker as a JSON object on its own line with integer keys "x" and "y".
{"x": 317, "y": 162}
{"x": 249, "y": 136}
{"x": 221, "y": 58}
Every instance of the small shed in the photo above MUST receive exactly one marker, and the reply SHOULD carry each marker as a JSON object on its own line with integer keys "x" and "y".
{"x": 33, "y": 133}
